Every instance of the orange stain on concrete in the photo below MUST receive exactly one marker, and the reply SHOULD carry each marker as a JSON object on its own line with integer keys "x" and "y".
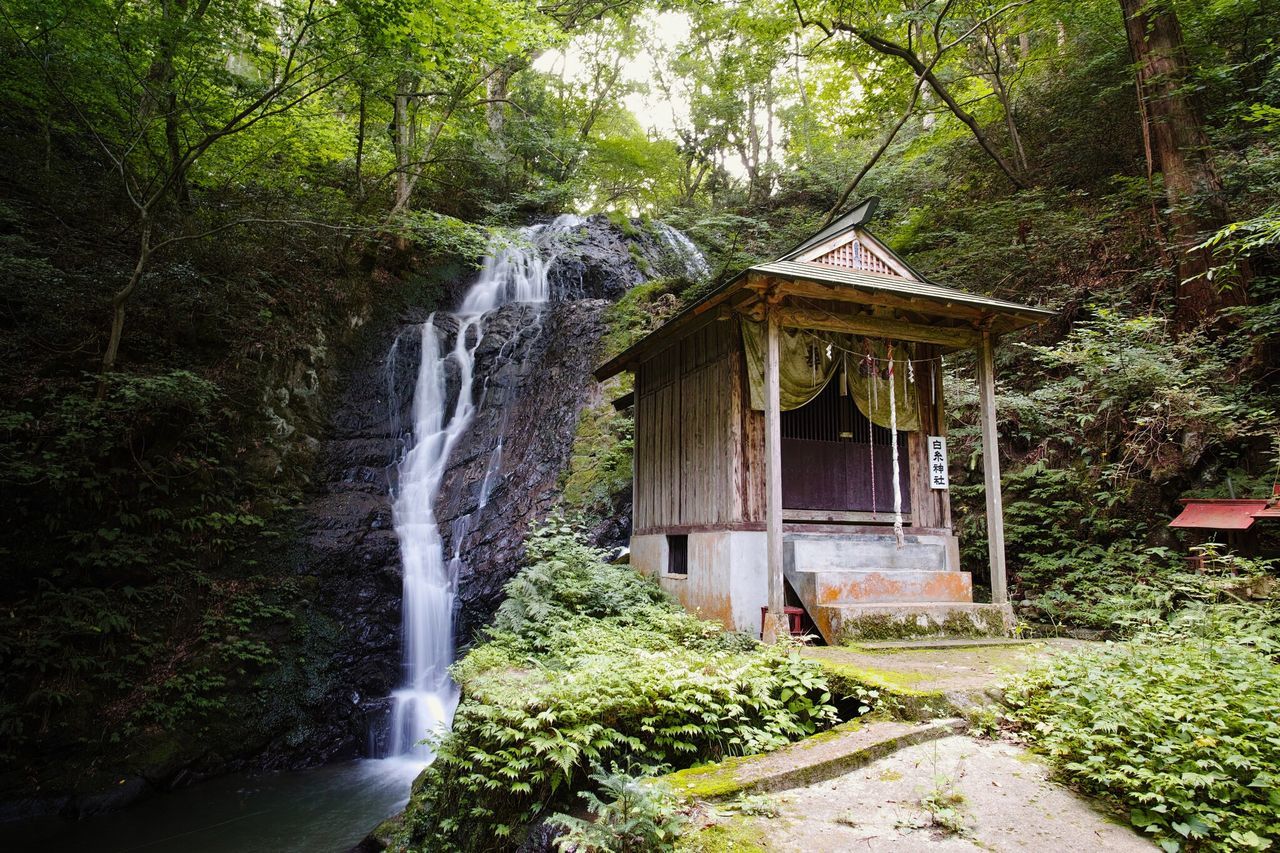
{"x": 894, "y": 587}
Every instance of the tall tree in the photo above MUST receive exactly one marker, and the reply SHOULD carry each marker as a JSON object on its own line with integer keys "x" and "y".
{"x": 173, "y": 80}
{"x": 919, "y": 35}
{"x": 1179, "y": 148}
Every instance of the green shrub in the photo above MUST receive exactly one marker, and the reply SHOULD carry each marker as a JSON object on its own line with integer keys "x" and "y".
{"x": 588, "y": 665}
{"x": 1179, "y": 726}
{"x": 639, "y": 818}
{"x": 117, "y": 509}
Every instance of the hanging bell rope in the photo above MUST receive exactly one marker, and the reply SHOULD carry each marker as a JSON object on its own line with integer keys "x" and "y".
{"x": 893, "y": 431}
{"x": 873, "y": 377}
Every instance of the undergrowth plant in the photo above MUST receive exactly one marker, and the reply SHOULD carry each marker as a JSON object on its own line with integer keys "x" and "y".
{"x": 588, "y": 665}
{"x": 637, "y": 818}
{"x": 1178, "y": 726}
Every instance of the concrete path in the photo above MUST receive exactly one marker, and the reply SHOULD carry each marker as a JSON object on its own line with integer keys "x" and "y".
{"x": 952, "y": 794}
{"x": 942, "y": 666}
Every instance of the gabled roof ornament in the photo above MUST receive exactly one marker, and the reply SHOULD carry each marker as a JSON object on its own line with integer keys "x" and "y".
{"x": 859, "y": 216}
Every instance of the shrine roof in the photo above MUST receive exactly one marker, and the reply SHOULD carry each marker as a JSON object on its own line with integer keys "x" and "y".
{"x": 844, "y": 263}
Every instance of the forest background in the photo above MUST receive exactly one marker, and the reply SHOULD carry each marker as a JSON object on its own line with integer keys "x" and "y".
{"x": 202, "y": 200}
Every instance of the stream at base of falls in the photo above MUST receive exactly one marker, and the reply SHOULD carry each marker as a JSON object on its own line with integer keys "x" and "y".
{"x": 325, "y": 810}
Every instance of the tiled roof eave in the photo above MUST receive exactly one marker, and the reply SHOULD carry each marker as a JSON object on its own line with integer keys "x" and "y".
{"x": 895, "y": 286}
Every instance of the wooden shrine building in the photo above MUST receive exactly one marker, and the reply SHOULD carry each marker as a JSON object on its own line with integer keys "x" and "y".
{"x": 790, "y": 443}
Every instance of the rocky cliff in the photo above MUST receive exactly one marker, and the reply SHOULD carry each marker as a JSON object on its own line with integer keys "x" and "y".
{"x": 532, "y": 378}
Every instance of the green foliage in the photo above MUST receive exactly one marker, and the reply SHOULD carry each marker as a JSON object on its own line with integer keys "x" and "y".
{"x": 1079, "y": 558}
{"x": 565, "y": 579}
{"x": 588, "y": 664}
{"x": 1122, "y": 415}
{"x": 1161, "y": 402}
{"x": 1177, "y": 726}
{"x": 116, "y": 628}
{"x": 638, "y": 818}
{"x": 640, "y": 310}
{"x": 599, "y": 476}
{"x": 443, "y": 236}
{"x": 945, "y": 806}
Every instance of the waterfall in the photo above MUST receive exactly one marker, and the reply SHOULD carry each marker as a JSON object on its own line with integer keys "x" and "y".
{"x": 513, "y": 271}
{"x": 695, "y": 265}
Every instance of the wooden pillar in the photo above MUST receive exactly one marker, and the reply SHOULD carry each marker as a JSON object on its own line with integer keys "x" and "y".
{"x": 775, "y": 623}
{"x": 991, "y": 468}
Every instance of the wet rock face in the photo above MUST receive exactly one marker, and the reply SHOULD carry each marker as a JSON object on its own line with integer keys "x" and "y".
{"x": 600, "y": 261}
{"x": 533, "y": 368}
{"x": 532, "y": 378}
{"x": 349, "y": 550}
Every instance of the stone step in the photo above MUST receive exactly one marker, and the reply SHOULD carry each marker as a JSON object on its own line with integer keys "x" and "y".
{"x": 853, "y": 621}
{"x": 806, "y": 762}
{"x": 880, "y": 586}
{"x": 863, "y": 552}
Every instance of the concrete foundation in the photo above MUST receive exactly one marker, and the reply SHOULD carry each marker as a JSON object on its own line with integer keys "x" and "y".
{"x": 853, "y": 585}
{"x": 726, "y": 574}
{"x": 867, "y": 585}
{"x": 849, "y": 622}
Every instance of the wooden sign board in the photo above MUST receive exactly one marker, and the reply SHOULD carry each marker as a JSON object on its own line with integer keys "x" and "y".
{"x": 938, "y": 462}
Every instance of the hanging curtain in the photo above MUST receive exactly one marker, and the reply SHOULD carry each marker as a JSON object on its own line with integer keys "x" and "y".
{"x": 869, "y": 385}
{"x": 807, "y": 361}
{"x": 805, "y": 365}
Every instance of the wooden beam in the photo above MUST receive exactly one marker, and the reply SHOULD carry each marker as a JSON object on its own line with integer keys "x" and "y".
{"x": 775, "y": 624}
{"x": 819, "y": 516}
{"x": 808, "y": 318}
{"x": 696, "y": 317}
{"x": 991, "y": 469}
{"x": 865, "y": 296}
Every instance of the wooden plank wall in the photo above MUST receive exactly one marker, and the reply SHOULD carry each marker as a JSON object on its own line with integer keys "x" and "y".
{"x": 700, "y": 447}
{"x": 752, "y": 484}
{"x": 688, "y": 467}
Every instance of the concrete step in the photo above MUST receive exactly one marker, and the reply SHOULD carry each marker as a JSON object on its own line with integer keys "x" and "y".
{"x": 863, "y": 552}
{"x": 806, "y": 762}
{"x": 880, "y": 586}
{"x": 854, "y": 621}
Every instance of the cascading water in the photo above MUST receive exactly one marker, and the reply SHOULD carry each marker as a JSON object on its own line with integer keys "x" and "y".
{"x": 512, "y": 272}
{"x": 695, "y": 265}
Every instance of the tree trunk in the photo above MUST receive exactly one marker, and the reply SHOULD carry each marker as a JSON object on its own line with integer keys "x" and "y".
{"x": 769, "y": 142}
{"x": 495, "y": 110}
{"x": 403, "y": 143}
{"x": 358, "y": 186}
{"x": 177, "y": 157}
{"x": 1181, "y": 152}
{"x": 121, "y": 299}
{"x": 751, "y": 154}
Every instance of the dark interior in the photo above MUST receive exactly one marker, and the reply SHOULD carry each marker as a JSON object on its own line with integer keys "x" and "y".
{"x": 834, "y": 458}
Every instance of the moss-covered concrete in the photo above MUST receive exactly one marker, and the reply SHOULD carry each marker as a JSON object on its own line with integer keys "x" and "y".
{"x": 736, "y": 834}
{"x": 805, "y": 762}
{"x": 897, "y": 695}
{"x": 917, "y": 681}
{"x": 855, "y": 624}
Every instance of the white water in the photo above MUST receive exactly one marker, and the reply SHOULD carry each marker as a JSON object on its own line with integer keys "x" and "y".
{"x": 695, "y": 265}
{"x": 424, "y": 703}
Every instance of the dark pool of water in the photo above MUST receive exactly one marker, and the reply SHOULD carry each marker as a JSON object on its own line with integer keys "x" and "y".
{"x": 327, "y": 809}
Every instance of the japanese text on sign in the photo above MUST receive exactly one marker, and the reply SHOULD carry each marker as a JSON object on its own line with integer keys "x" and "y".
{"x": 938, "y": 462}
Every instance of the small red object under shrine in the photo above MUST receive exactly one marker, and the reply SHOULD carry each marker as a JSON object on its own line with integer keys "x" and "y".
{"x": 795, "y": 619}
